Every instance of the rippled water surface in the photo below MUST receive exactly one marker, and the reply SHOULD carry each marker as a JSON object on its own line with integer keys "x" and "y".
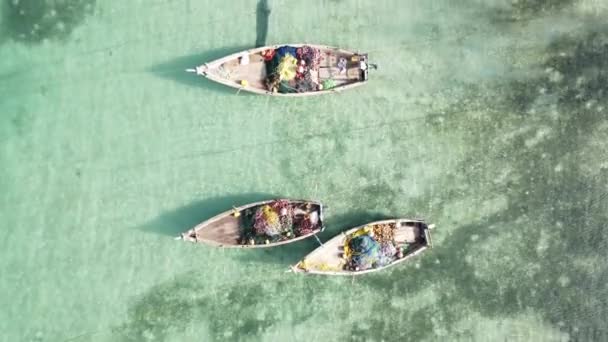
{"x": 488, "y": 118}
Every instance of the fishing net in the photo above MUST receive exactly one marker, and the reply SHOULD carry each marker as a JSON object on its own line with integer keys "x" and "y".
{"x": 272, "y": 64}
{"x": 287, "y": 68}
{"x": 370, "y": 247}
{"x": 365, "y": 252}
{"x": 347, "y": 249}
{"x": 387, "y": 254}
{"x": 266, "y": 221}
{"x": 286, "y": 222}
{"x": 384, "y": 232}
{"x": 305, "y": 226}
{"x": 273, "y": 219}
{"x": 305, "y": 83}
{"x": 310, "y": 55}
{"x": 285, "y": 87}
{"x": 278, "y": 221}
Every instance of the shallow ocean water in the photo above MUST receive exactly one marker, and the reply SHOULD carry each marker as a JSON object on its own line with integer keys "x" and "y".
{"x": 487, "y": 118}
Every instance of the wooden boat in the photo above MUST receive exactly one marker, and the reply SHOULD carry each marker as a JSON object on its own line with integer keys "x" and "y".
{"x": 234, "y": 228}
{"x": 247, "y": 70}
{"x": 329, "y": 259}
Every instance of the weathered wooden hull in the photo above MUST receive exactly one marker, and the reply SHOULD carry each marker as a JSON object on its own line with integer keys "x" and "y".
{"x": 224, "y": 230}
{"x": 230, "y": 72}
{"x": 327, "y": 259}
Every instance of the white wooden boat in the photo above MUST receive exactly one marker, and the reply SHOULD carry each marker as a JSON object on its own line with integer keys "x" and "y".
{"x": 337, "y": 69}
{"x": 230, "y": 228}
{"x": 328, "y": 259}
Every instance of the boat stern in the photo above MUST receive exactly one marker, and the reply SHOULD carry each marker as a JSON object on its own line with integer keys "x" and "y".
{"x": 365, "y": 66}
{"x": 427, "y": 235}
{"x": 321, "y": 219}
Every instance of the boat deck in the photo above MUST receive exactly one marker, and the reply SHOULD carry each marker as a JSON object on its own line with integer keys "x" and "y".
{"x": 329, "y": 257}
{"x": 328, "y": 69}
{"x": 254, "y": 72}
{"x": 226, "y": 230}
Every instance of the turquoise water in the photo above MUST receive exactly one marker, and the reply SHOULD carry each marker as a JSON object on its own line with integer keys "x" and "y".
{"x": 488, "y": 118}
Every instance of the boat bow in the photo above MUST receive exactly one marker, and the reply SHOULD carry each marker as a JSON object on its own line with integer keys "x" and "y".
{"x": 199, "y": 70}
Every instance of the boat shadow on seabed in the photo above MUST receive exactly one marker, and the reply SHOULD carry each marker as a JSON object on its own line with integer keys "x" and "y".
{"x": 174, "y": 69}
{"x": 173, "y": 222}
